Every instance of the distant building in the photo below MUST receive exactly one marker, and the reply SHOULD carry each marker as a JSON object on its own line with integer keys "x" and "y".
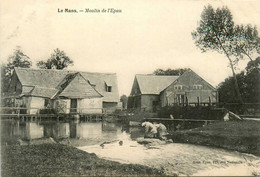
{"x": 149, "y": 92}
{"x": 66, "y": 91}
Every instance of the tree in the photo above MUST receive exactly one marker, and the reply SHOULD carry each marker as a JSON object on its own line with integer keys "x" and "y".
{"x": 17, "y": 59}
{"x": 5, "y": 79}
{"x": 249, "y": 85}
{"x": 124, "y": 100}
{"x": 226, "y": 89}
{"x": 174, "y": 72}
{"x": 251, "y": 65}
{"x": 246, "y": 41}
{"x": 58, "y": 60}
{"x": 216, "y": 32}
{"x": 252, "y": 81}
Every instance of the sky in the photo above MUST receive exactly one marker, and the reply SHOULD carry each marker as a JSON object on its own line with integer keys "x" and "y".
{"x": 144, "y": 36}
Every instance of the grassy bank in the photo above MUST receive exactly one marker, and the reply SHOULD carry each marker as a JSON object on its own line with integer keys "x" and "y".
{"x": 242, "y": 136}
{"x": 62, "y": 160}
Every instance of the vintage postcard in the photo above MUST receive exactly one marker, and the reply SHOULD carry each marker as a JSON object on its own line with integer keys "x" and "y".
{"x": 130, "y": 88}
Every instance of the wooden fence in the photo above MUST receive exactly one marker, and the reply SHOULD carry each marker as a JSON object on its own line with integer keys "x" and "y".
{"x": 25, "y": 113}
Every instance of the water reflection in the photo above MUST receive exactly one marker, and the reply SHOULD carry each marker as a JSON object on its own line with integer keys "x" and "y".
{"x": 55, "y": 130}
{"x": 24, "y": 130}
{"x": 183, "y": 159}
{"x": 73, "y": 129}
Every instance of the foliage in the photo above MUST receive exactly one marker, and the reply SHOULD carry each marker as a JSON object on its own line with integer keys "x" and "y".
{"x": 58, "y": 60}
{"x": 246, "y": 41}
{"x": 124, "y": 100}
{"x": 227, "y": 91}
{"x": 252, "y": 81}
{"x": 249, "y": 85}
{"x": 4, "y": 79}
{"x": 217, "y": 32}
{"x": 252, "y": 64}
{"x": 17, "y": 59}
{"x": 174, "y": 72}
{"x": 191, "y": 112}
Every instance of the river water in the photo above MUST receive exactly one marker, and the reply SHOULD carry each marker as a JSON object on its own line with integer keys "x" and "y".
{"x": 173, "y": 158}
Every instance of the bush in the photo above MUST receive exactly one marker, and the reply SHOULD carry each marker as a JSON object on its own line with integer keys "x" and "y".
{"x": 189, "y": 112}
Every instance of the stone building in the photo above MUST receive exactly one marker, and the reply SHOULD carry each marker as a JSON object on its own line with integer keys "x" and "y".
{"x": 150, "y": 92}
{"x": 65, "y": 91}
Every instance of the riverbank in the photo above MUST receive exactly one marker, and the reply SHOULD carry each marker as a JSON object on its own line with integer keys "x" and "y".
{"x": 242, "y": 136}
{"x": 61, "y": 160}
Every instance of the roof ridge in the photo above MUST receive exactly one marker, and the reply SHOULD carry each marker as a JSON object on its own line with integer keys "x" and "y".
{"x": 46, "y": 80}
{"x": 58, "y": 70}
{"x": 157, "y": 75}
{"x": 39, "y": 69}
{"x": 37, "y": 86}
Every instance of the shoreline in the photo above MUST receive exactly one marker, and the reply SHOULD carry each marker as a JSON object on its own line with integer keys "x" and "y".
{"x": 241, "y": 136}
{"x": 59, "y": 157}
{"x": 54, "y": 159}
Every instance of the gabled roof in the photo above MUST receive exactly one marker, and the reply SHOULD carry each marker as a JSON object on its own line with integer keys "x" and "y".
{"x": 76, "y": 86}
{"x": 153, "y": 84}
{"x": 49, "y": 79}
{"x": 99, "y": 79}
{"x": 41, "y": 77}
{"x": 189, "y": 76}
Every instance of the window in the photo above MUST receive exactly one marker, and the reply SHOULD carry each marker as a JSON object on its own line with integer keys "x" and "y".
{"x": 197, "y": 87}
{"x": 178, "y": 87}
{"x": 46, "y": 103}
{"x": 109, "y": 88}
{"x": 179, "y": 98}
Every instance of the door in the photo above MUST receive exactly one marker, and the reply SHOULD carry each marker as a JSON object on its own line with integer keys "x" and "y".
{"x": 180, "y": 99}
{"x": 73, "y": 105}
{"x": 155, "y": 105}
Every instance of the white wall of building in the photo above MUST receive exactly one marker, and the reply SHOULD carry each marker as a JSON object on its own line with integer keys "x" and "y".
{"x": 90, "y": 105}
{"x": 36, "y": 103}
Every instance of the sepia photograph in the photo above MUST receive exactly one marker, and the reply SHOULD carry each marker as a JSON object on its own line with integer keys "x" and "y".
{"x": 130, "y": 88}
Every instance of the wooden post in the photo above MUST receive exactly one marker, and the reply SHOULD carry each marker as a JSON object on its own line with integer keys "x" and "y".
{"x": 209, "y": 101}
{"x": 183, "y": 124}
{"x": 198, "y": 98}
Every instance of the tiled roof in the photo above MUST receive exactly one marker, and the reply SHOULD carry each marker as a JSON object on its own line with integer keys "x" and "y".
{"x": 41, "y": 77}
{"x": 78, "y": 87}
{"x": 27, "y": 89}
{"x": 99, "y": 79}
{"x": 49, "y": 80}
{"x": 43, "y": 92}
{"x": 154, "y": 84}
